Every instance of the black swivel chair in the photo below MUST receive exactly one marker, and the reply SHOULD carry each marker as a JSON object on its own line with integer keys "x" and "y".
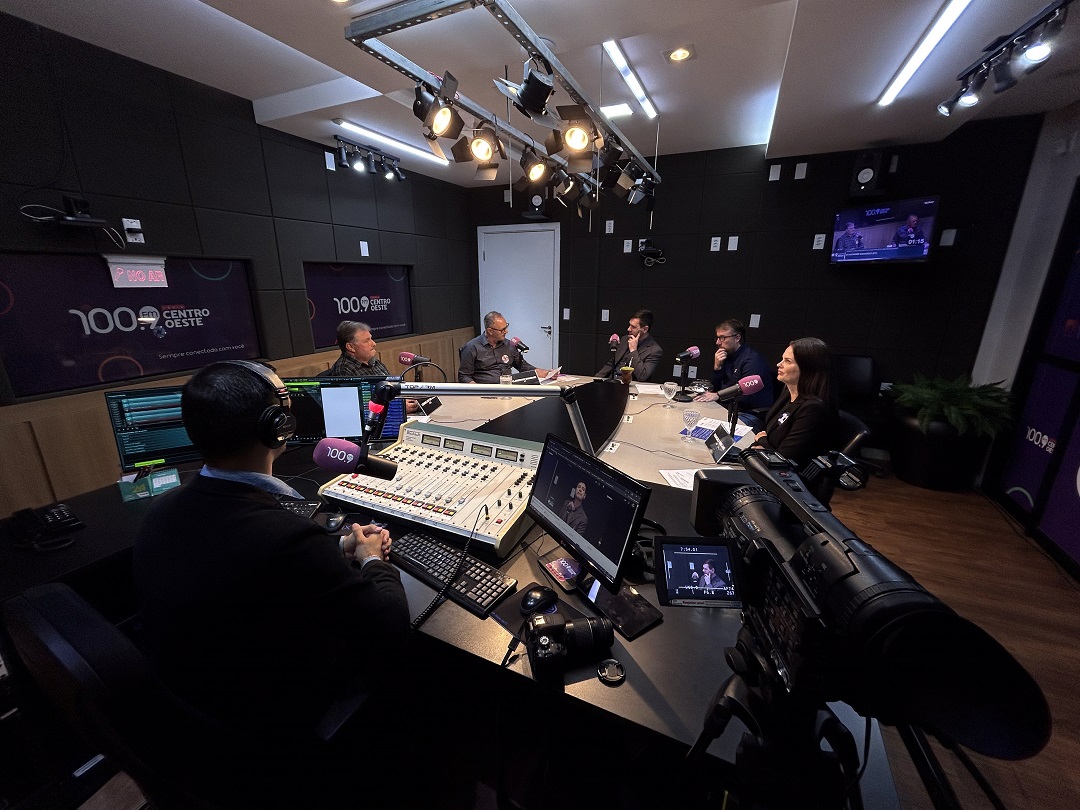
{"x": 105, "y": 688}
{"x": 822, "y": 474}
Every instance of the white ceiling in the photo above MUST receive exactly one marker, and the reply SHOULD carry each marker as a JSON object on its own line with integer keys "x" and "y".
{"x": 802, "y": 76}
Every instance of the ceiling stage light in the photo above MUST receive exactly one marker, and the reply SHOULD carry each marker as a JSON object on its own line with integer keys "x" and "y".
{"x": 530, "y": 97}
{"x": 970, "y": 96}
{"x": 485, "y": 144}
{"x": 534, "y": 167}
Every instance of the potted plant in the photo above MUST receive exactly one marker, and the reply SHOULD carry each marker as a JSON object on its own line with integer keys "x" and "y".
{"x": 944, "y": 429}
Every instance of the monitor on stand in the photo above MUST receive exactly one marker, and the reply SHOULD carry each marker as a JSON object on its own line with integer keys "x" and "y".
{"x": 335, "y": 407}
{"x": 594, "y": 513}
{"x": 148, "y": 428}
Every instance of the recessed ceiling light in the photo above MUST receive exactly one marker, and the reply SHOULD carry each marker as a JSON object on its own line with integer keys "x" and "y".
{"x": 680, "y": 54}
{"x": 617, "y": 110}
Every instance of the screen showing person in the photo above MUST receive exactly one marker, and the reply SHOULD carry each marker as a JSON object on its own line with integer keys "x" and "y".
{"x": 592, "y": 510}
{"x": 895, "y": 230}
{"x": 695, "y": 572}
{"x": 335, "y": 407}
{"x": 148, "y": 428}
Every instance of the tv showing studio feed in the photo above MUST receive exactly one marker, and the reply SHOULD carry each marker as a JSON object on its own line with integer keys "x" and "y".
{"x": 897, "y": 231}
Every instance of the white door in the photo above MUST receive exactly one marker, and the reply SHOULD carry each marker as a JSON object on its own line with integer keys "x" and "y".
{"x": 519, "y": 277}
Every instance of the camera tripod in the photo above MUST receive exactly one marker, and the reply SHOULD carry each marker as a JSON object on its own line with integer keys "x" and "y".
{"x": 780, "y": 763}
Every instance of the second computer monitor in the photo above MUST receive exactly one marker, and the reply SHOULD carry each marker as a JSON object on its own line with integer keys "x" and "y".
{"x": 335, "y": 407}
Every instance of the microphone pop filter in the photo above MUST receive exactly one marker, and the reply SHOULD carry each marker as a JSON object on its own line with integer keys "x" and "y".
{"x": 336, "y": 455}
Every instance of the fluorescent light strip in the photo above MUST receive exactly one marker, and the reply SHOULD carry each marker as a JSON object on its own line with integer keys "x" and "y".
{"x": 397, "y": 145}
{"x": 631, "y": 80}
{"x": 933, "y": 37}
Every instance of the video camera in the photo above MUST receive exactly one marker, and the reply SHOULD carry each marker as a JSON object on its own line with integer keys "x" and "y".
{"x": 555, "y": 644}
{"x": 827, "y": 617}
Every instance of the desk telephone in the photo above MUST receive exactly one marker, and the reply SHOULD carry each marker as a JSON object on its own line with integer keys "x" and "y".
{"x": 44, "y": 529}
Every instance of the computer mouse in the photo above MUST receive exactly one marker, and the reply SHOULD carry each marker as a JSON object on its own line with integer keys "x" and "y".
{"x": 538, "y": 599}
{"x": 335, "y": 521}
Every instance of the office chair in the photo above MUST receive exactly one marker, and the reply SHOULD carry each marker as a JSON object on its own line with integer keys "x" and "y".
{"x": 823, "y": 473}
{"x": 105, "y": 688}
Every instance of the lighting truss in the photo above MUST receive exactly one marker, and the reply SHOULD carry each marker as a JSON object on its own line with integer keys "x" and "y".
{"x": 363, "y": 32}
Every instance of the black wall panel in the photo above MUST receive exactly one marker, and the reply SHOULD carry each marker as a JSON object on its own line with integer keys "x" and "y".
{"x": 299, "y": 314}
{"x": 224, "y": 166}
{"x": 398, "y": 248}
{"x": 245, "y": 236}
{"x": 352, "y": 198}
{"x": 272, "y": 317}
{"x": 431, "y": 264}
{"x": 300, "y": 242}
{"x": 347, "y": 244}
{"x": 296, "y": 172}
{"x": 395, "y": 205}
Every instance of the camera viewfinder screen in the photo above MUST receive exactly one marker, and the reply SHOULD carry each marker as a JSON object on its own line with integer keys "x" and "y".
{"x": 697, "y": 572}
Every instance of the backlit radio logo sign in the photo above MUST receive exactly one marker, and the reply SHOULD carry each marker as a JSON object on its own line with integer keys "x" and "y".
{"x": 102, "y": 321}
{"x": 357, "y": 304}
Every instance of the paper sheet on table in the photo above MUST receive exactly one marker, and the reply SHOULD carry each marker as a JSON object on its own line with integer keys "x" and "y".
{"x": 551, "y": 375}
{"x": 704, "y": 428}
{"x": 650, "y": 388}
{"x": 680, "y": 479}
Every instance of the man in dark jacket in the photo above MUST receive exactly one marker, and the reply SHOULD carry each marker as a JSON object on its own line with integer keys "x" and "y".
{"x": 252, "y": 613}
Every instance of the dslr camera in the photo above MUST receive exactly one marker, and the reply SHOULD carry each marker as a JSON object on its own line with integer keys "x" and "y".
{"x": 555, "y": 644}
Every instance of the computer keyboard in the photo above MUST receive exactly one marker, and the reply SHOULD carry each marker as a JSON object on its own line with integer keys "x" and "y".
{"x": 305, "y": 508}
{"x": 477, "y": 587}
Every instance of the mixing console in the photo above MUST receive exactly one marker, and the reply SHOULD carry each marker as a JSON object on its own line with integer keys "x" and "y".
{"x": 445, "y": 479}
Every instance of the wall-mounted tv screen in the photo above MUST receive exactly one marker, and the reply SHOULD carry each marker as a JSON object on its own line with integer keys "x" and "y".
{"x": 899, "y": 231}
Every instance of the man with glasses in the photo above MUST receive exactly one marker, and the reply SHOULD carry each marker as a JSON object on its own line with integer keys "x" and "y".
{"x": 733, "y": 361}
{"x": 488, "y": 356}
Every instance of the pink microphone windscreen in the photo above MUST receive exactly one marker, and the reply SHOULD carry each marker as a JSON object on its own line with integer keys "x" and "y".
{"x": 336, "y": 455}
{"x": 750, "y": 384}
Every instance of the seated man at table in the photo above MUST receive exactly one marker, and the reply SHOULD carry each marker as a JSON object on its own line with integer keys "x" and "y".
{"x": 733, "y": 361}
{"x": 253, "y": 613}
{"x": 358, "y": 356}
{"x": 489, "y": 356}
{"x": 636, "y": 349}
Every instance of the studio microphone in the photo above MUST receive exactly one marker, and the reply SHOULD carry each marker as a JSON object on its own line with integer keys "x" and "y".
{"x": 613, "y": 342}
{"x": 343, "y": 457}
{"x": 410, "y": 359}
{"x": 521, "y": 347}
{"x": 747, "y": 385}
{"x": 692, "y": 353}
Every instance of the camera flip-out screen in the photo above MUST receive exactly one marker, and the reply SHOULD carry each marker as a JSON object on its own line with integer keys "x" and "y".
{"x": 696, "y": 572}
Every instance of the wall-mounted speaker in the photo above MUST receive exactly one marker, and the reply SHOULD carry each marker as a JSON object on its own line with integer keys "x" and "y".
{"x": 535, "y": 205}
{"x": 866, "y": 175}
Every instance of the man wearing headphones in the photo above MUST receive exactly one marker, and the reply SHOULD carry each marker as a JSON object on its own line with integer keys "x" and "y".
{"x": 252, "y": 613}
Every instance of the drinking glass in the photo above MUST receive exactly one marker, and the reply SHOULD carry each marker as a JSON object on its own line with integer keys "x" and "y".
{"x": 669, "y": 389}
{"x": 690, "y": 418}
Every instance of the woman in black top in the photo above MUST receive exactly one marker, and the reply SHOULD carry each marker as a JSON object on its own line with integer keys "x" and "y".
{"x": 799, "y": 424}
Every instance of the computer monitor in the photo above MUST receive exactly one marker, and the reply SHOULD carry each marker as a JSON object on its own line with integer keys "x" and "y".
{"x": 148, "y": 428}
{"x": 591, "y": 509}
{"x": 335, "y": 407}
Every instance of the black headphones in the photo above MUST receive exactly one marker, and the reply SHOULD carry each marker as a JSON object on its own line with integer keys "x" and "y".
{"x": 277, "y": 423}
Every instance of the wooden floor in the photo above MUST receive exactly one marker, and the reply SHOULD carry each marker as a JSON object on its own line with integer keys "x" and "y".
{"x": 966, "y": 551}
{"x": 970, "y": 554}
